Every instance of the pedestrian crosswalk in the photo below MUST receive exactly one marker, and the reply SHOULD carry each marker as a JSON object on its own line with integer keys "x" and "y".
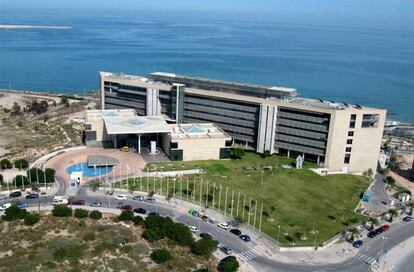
{"x": 248, "y": 255}
{"x": 366, "y": 259}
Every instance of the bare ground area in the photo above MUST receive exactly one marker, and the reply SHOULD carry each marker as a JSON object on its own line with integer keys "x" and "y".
{"x": 71, "y": 244}
{"x": 28, "y": 135}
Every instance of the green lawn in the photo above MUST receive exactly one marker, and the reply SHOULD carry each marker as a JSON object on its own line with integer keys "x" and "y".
{"x": 302, "y": 199}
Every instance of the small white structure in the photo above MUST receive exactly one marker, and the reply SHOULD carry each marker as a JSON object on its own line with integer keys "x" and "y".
{"x": 299, "y": 162}
{"x": 404, "y": 197}
{"x": 76, "y": 175}
{"x": 383, "y": 159}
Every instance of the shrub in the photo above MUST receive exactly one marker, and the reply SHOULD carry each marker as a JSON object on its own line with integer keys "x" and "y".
{"x": 204, "y": 246}
{"x": 81, "y": 213}
{"x": 90, "y": 236}
{"x": 138, "y": 220}
{"x": 31, "y": 218}
{"x": 230, "y": 265}
{"x": 390, "y": 180}
{"x": 237, "y": 153}
{"x": 21, "y": 164}
{"x": 61, "y": 211}
{"x": 19, "y": 180}
{"x": 14, "y": 213}
{"x": 5, "y": 164}
{"x": 126, "y": 216}
{"x": 160, "y": 255}
{"x": 180, "y": 233}
{"x": 95, "y": 215}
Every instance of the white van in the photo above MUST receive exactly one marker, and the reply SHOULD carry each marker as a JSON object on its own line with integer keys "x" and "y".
{"x": 5, "y": 206}
{"x": 60, "y": 200}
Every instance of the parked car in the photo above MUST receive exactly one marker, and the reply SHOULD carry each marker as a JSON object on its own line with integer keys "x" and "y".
{"x": 372, "y": 234}
{"x": 5, "y": 206}
{"x": 139, "y": 197}
{"x": 121, "y": 197}
{"x": 245, "y": 238}
{"x": 124, "y": 148}
{"x": 204, "y": 218}
{"x": 407, "y": 219}
{"x": 15, "y": 194}
{"x": 32, "y": 196}
{"x": 385, "y": 228}
{"x": 150, "y": 199}
{"x": 153, "y": 214}
{"x": 226, "y": 250}
{"x": 140, "y": 210}
{"x": 22, "y": 205}
{"x": 206, "y": 235}
{"x": 79, "y": 202}
{"x": 212, "y": 221}
{"x": 126, "y": 207}
{"x": 3, "y": 196}
{"x": 96, "y": 204}
{"x": 357, "y": 243}
{"x": 223, "y": 226}
{"x": 236, "y": 232}
{"x": 193, "y": 228}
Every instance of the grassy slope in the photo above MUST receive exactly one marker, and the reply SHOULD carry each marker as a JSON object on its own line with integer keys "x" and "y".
{"x": 302, "y": 198}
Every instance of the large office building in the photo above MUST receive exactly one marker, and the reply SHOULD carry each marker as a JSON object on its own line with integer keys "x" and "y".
{"x": 341, "y": 137}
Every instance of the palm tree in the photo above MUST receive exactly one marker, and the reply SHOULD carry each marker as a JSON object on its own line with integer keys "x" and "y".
{"x": 354, "y": 232}
{"x": 392, "y": 213}
{"x": 373, "y": 222}
{"x": 395, "y": 162}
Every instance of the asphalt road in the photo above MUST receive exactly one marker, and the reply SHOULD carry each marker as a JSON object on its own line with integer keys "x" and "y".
{"x": 368, "y": 254}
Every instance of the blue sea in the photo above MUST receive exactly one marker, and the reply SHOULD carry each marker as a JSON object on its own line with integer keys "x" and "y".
{"x": 368, "y": 66}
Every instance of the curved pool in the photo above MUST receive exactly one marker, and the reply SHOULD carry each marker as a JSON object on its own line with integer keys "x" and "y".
{"x": 89, "y": 171}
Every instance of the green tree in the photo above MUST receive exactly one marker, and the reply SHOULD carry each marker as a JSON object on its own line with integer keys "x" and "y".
{"x": 160, "y": 255}
{"x": 204, "y": 246}
{"x": 237, "y": 153}
{"x": 373, "y": 222}
{"x": 36, "y": 175}
{"x": 95, "y": 214}
{"x": 5, "y": 164}
{"x": 395, "y": 162}
{"x": 229, "y": 265}
{"x": 81, "y": 213}
{"x": 1, "y": 179}
{"x": 354, "y": 232}
{"x": 393, "y": 213}
{"x": 180, "y": 233}
{"x": 390, "y": 180}
{"x": 138, "y": 220}
{"x": 19, "y": 180}
{"x": 272, "y": 210}
{"x": 50, "y": 175}
{"x": 14, "y": 213}
{"x": 126, "y": 216}
{"x": 61, "y": 211}
{"x": 21, "y": 164}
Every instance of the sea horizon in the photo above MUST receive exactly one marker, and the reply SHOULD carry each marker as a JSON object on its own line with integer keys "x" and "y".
{"x": 359, "y": 65}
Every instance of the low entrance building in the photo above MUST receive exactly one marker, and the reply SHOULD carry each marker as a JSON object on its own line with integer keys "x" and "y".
{"x": 124, "y": 129}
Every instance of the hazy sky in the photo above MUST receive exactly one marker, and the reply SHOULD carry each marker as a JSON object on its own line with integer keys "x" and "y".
{"x": 369, "y": 13}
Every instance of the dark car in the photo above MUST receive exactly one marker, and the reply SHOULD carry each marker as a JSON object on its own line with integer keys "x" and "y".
{"x": 226, "y": 250}
{"x": 78, "y": 202}
{"x": 357, "y": 243}
{"x": 32, "y": 196}
{"x": 140, "y": 210}
{"x": 204, "y": 218}
{"x": 245, "y": 238}
{"x": 15, "y": 194}
{"x": 126, "y": 207}
{"x": 372, "y": 234}
{"x": 407, "y": 219}
{"x": 153, "y": 214}
{"x": 236, "y": 232}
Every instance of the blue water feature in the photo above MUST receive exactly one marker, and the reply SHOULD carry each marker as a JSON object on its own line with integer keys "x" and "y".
{"x": 89, "y": 171}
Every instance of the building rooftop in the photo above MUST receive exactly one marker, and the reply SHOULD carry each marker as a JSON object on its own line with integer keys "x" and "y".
{"x": 199, "y": 130}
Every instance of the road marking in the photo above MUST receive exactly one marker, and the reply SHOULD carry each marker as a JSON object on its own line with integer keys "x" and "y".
{"x": 248, "y": 255}
{"x": 365, "y": 258}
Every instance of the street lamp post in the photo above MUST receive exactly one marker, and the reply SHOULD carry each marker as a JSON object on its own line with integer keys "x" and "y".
{"x": 278, "y": 232}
